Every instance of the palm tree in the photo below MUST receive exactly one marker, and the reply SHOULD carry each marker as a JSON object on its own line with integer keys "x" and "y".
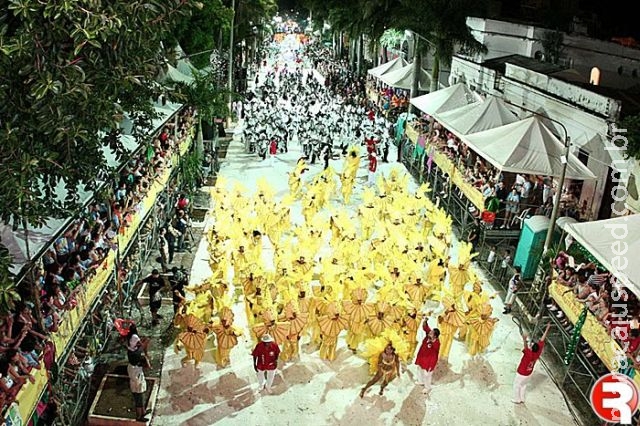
{"x": 443, "y": 23}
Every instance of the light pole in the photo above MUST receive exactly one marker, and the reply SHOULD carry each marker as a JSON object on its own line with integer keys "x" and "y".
{"x": 558, "y": 195}
{"x": 230, "y": 66}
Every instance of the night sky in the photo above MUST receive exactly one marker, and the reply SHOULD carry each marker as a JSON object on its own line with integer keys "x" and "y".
{"x": 605, "y": 18}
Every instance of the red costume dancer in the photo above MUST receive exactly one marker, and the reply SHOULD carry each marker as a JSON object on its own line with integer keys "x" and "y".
{"x": 265, "y": 361}
{"x": 428, "y": 356}
{"x": 373, "y": 166}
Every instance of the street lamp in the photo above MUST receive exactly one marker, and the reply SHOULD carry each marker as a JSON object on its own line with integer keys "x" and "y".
{"x": 230, "y": 66}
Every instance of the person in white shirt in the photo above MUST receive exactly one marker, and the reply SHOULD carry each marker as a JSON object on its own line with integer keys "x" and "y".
{"x": 514, "y": 285}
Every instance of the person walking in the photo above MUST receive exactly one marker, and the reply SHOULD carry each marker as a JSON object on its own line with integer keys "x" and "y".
{"x": 155, "y": 284}
{"x": 514, "y": 285}
{"x": 428, "y": 356}
{"x": 373, "y": 166}
{"x": 265, "y": 361}
{"x": 273, "y": 150}
{"x": 530, "y": 354}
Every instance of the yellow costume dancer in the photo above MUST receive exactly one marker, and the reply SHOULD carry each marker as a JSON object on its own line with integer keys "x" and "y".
{"x": 226, "y": 335}
{"x": 295, "y": 178}
{"x": 480, "y": 331}
{"x": 193, "y": 336}
{"x": 435, "y": 276}
{"x": 384, "y": 354}
{"x": 417, "y": 291}
{"x": 297, "y": 322}
{"x": 349, "y": 171}
{"x": 368, "y": 213}
{"x": 276, "y": 329}
{"x": 460, "y": 274}
{"x": 410, "y": 324}
{"x": 449, "y": 322}
{"x": 357, "y": 312}
{"x": 331, "y": 324}
{"x": 381, "y": 319}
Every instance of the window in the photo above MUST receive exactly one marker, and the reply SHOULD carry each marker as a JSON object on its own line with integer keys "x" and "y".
{"x": 634, "y": 73}
{"x": 583, "y": 156}
{"x": 620, "y": 70}
{"x": 539, "y": 56}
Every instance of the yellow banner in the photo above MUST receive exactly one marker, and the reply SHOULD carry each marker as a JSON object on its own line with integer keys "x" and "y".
{"x": 29, "y": 395}
{"x": 446, "y": 165}
{"x": 606, "y": 348}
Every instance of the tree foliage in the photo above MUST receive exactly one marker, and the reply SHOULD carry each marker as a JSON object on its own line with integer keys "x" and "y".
{"x": 197, "y": 32}
{"x": 442, "y": 22}
{"x": 631, "y": 124}
{"x": 69, "y": 71}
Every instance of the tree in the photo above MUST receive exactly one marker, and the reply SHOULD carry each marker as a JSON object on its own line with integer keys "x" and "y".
{"x": 443, "y": 23}
{"x": 197, "y": 32}
{"x": 69, "y": 71}
{"x": 552, "y": 44}
{"x": 8, "y": 293}
{"x": 631, "y": 124}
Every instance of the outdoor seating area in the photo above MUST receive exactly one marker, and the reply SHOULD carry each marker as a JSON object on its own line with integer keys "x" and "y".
{"x": 76, "y": 266}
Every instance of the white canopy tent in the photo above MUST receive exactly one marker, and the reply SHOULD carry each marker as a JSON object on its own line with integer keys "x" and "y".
{"x": 526, "y": 146}
{"x": 477, "y": 117}
{"x": 444, "y": 100}
{"x": 615, "y": 243}
{"x": 392, "y": 65}
{"x": 172, "y": 74}
{"x": 403, "y": 78}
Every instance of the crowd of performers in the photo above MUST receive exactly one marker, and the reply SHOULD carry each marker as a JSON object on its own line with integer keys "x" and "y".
{"x": 365, "y": 268}
{"x": 291, "y": 106}
{"x": 368, "y": 274}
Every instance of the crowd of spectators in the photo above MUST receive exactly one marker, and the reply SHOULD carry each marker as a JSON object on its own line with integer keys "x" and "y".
{"x": 389, "y": 99}
{"x": 593, "y": 286}
{"x": 506, "y": 195}
{"x": 73, "y": 259}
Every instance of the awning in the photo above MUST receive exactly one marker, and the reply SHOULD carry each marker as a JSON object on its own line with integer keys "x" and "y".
{"x": 403, "y": 78}
{"x": 444, "y": 100}
{"x": 477, "y": 117}
{"x": 392, "y": 65}
{"x": 526, "y": 146}
{"x": 615, "y": 244}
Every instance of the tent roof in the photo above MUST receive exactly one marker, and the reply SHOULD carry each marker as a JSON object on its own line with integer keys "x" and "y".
{"x": 526, "y": 146}
{"x": 602, "y": 239}
{"x": 477, "y": 117}
{"x": 173, "y": 74}
{"x": 392, "y": 65}
{"x": 403, "y": 78}
{"x": 443, "y": 100}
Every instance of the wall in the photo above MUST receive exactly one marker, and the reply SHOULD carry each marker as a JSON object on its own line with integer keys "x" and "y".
{"x": 619, "y": 65}
{"x": 505, "y": 38}
{"x": 477, "y": 77}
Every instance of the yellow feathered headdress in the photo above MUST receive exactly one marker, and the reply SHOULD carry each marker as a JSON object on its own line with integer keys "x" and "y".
{"x": 375, "y": 346}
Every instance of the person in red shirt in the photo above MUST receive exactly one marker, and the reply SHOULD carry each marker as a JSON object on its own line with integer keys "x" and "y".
{"x": 530, "y": 355}
{"x": 428, "y": 356}
{"x": 373, "y": 166}
{"x": 265, "y": 361}
{"x": 273, "y": 150}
